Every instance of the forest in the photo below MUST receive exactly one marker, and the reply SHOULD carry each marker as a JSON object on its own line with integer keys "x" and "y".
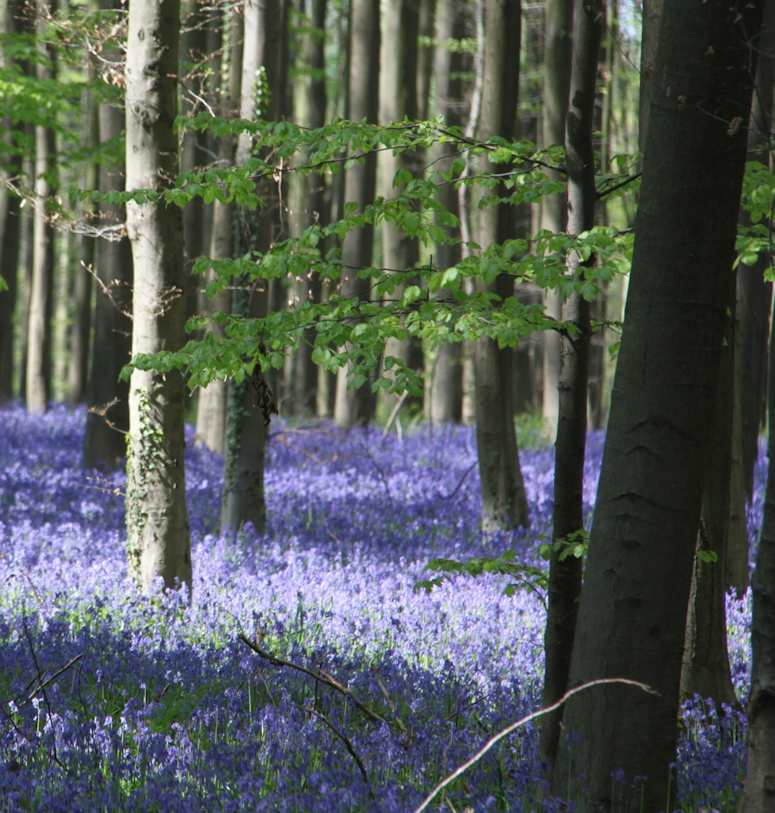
{"x": 386, "y": 395}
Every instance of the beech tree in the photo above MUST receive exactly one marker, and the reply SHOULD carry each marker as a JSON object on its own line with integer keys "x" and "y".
{"x": 568, "y": 517}
{"x": 504, "y": 503}
{"x": 651, "y": 483}
{"x": 108, "y": 395}
{"x": 246, "y": 421}
{"x": 42, "y": 278}
{"x": 355, "y": 405}
{"x": 157, "y": 518}
{"x": 558, "y": 15}
{"x": 211, "y": 401}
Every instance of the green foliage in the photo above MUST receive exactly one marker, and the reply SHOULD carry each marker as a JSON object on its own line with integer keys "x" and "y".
{"x": 523, "y": 576}
{"x": 575, "y": 544}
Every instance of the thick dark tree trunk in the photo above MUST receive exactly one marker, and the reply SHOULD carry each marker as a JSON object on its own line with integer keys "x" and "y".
{"x": 759, "y": 786}
{"x": 308, "y": 196}
{"x": 25, "y": 274}
{"x": 10, "y": 230}
{"x": 356, "y": 406}
{"x": 557, "y": 66}
{"x": 39, "y": 324}
{"x": 211, "y": 402}
{"x": 243, "y": 487}
{"x": 157, "y": 518}
{"x": 107, "y": 420}
{"x": 568, "y": 518}
{"x": 651, "y": 483}
{"x": 504, "y": 503}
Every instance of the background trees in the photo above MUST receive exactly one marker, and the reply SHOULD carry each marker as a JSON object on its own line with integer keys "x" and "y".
{"x": 298, "y": 268}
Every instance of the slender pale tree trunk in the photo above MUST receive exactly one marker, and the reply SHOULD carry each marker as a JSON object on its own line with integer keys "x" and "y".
{"x": 308, "y": 196}
{"x": 759, "y": 786}
{"x": 557, "y": 67}
{"x": 107, "y": 420}
{"x": 157, "y": 518}
{"x": 398, "y": 99}
{"x": 25, "y": 275}
{"x": 10, "y": 228}
{"x": 568, "y": 517}
{"x": 633, "y": 607}
{"x": 504, "y": 503}
{"x": 39, "y": 325}
{"x": 446, "y": 385}
{"x": 356, "y": 406}
{"x": 78, "y": 363}
{"x": 211, "y": 403}
{"x": 243, "y": 487}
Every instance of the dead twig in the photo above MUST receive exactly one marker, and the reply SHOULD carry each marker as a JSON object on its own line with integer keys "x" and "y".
{"x": 344, "y": 739}
{"x": 522, "y": 721}
{"x": 319, "y": 675}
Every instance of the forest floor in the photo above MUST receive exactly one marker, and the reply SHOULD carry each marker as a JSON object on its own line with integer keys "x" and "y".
{"x": 154, "y": 704}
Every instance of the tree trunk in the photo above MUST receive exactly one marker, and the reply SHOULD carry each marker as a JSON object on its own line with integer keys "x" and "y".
{"x": 82, "y": 307}
{"x": 25, "y": 276}
{"x": 193, "y": 151}
{"x": 759, "y": 785}
{"x": 751, "y": 329}
{"x": 356, "y": 406}
{"x": 705, "y": 669}
{"x": 39, "y": 325}
{"x": 211, "y": 403}
{"x": 308, "y": 197}
{"x": 504, "y": 503}
{"x": 446, "y": 385}
{"x": 10, "y": 230}
{"x": 107, "y": 420}
{"x": 426, "y": 58}
{"x": 557, "y": 67}
{"x": 651, "y": 483}
{"x": 157, "y": 518}
{"x": 568, "y": 518}
{"x": 243, "y": 487}
{"x": 398, "y": 99}
{"x": 652, "y": 20}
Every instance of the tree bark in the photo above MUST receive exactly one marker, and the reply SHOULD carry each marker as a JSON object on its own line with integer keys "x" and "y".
{"x": 211, "y": 403}
{"x": 568, "y": 516}
{"x": 10, "y": 230}
{"x": 243, "y": 487}
{"x": 705, "y": 669}
{"x": 759, "y": 786}
{"x": 356, "y": 406}
{"x": 80, "y": 335}
{"x": 446, "y": 385}
{"x": 39, "y": 325}
{"x": 557, "y": 68}
{"x": 504, "y": 503}
{"x": 398, "y": 99}
{"x": 107, "y": 420}
{"x": 157, "y": 518}
{"x": 652, "y": 20}
{"x": 751, "y": 329}
{"x": 651, "y": 483}
{"x": 308, "y": 197}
